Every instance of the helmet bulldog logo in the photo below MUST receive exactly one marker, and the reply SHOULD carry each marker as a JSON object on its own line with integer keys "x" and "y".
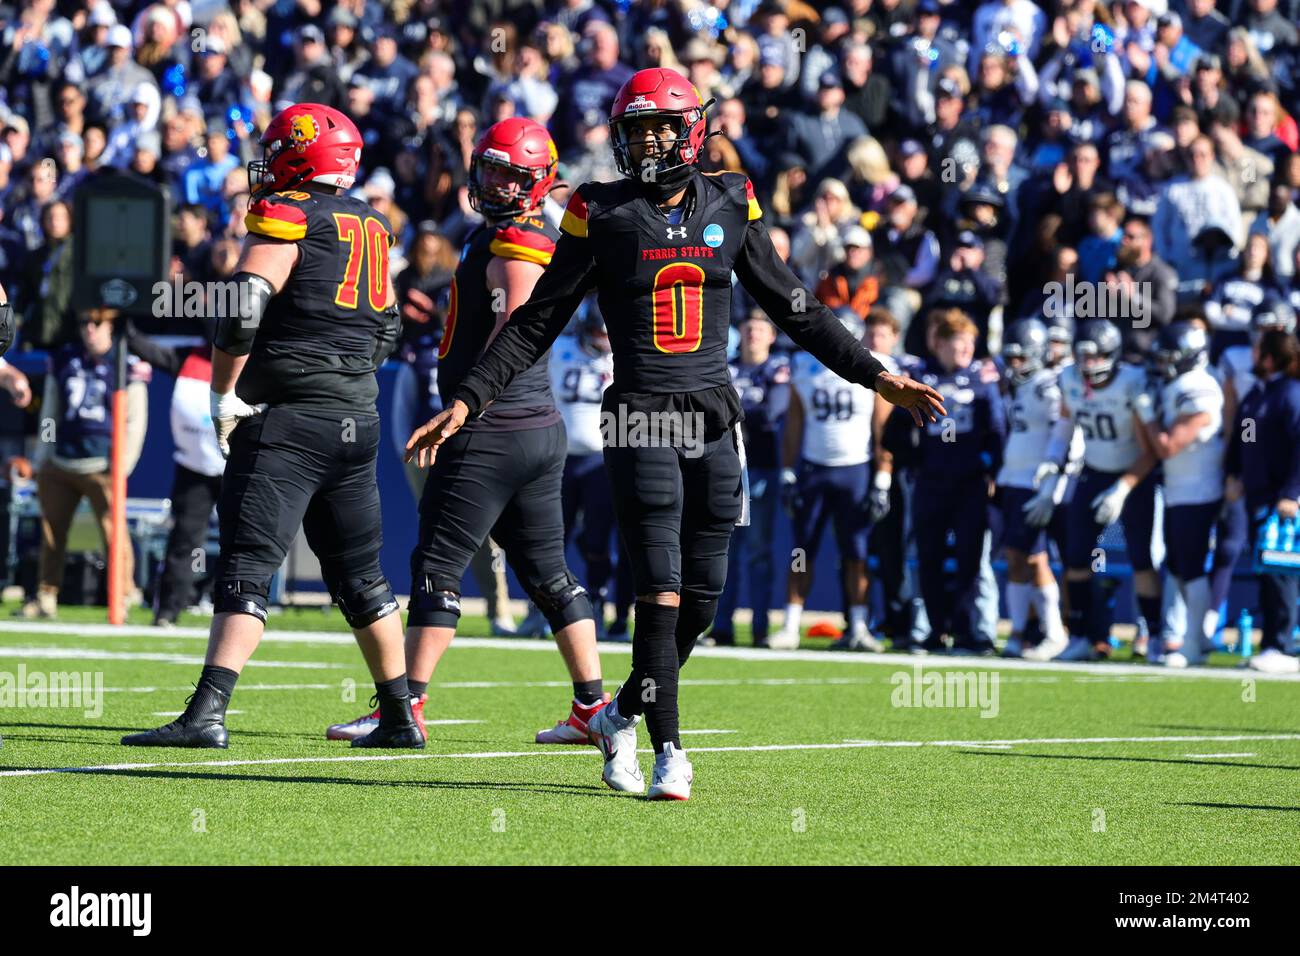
{"x": 303, "y": 131}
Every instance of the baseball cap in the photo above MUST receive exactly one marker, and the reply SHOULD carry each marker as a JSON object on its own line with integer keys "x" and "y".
{"x": 834, "y": 16}
{"x": 1169, "y": 19}
{"x": 120, "y": 35}
{"x": 103, "y": 15}
{"x": 829, "y": 80}
{"x": 149, "y": 142}
{"x": 381, "y": 182}
{"x": 340, "y": 17}
{"x": 311, "y": 34}
{"x": 214, "y": 46}
{"x": 925, "y": 7}
{"x": 857, "y": 236}
{"x": 902, "y": 193}
{"x": 910, "y": 147}
{"x": 968, "y": 240}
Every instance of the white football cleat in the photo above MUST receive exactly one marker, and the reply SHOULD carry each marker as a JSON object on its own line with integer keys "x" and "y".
{"x": 672, "y": 776}
{"x": 858, "y": 639}
{"x": 573, "y": 729}
{"x": 615, "y": 735}
{"x": 1272, "y": 661}
{"x": 1175, "y": 659}
{"x": 1047, "y": 649}
{"x": 1078, "y": 649}
{"x": 783, "y": 640}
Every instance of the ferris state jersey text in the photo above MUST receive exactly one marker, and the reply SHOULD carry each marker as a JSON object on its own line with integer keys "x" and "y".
{"x": 475, "y": 312}
{"x": 664, "y": 288}
{"x": 316, "y": 341}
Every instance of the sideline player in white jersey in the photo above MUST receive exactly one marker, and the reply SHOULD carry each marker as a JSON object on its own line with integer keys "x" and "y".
{"x": 1030, "y": 491}
{"x": 582, "y": 366}
{"x": 829, "y": 432}
{"x": 1186, "y": 433}
{"x": 1116, "y": 483}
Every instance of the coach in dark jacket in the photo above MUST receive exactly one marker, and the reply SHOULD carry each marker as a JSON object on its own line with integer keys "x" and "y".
{"x": 1264, "y": 465}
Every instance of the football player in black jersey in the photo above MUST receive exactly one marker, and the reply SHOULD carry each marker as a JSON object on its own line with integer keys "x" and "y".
{"x": 502, "y": 473}
{"x": 660, "y": 247}
{"x": 293, "y": 403}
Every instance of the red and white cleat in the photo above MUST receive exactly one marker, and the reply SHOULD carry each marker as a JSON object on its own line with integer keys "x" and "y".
{"x": 573, "y": 729}
{"x": 363, "y": 725}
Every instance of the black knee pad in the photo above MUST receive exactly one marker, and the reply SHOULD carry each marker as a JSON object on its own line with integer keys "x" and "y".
{"x": 563, "y": 601}
{"x": 434, "y": 603}
{"x": 694, "y": 615}
{"x": 364, "y": 602}
{"x": 241, "y": 597}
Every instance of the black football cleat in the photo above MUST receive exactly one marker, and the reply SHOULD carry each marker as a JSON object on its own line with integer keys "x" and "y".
{"x": 202, "y": 725}
{"x": 397, "y": 728}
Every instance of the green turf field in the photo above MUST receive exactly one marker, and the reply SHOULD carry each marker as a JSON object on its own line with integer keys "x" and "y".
{"x": 800, "y": 757}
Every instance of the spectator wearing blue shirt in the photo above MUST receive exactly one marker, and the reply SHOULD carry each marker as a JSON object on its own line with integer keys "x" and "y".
{"x": 1098, "y": 249}
{"x": 204, "y": 182}
{"x": 594, "y": 84}
{"x": 388, "y": 73}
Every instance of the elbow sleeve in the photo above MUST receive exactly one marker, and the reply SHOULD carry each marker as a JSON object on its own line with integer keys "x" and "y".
{"x": 235, "y": 332}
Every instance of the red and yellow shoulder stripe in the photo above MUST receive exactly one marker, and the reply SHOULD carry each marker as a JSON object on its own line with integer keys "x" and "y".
{"x": 278, "y": 220}
{"x": 575, "y": 216}
{"x": 754, "y": 211}
{"x": 519, "y": 241}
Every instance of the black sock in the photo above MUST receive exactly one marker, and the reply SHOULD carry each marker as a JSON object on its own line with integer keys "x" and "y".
{"x": 418, "y": 688}
{"x": 1078, "y": 619}
{"x": 588, "y": 692}
{"x": 394, "y": 700}
{"x": 693, "y": 617}
{"x": 651, "y": 689}
{"x": 212, "y": 693}
{"x": 1149, "y": 608}
{"x": 395, "y": 689}
{"x": 221, "y": 678}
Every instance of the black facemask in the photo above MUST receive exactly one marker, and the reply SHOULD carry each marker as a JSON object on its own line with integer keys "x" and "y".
{"x": 668, "y": 184}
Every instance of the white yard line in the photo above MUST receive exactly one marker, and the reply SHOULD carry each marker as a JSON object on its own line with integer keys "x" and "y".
{"x": 1215, "y": 756}
{"x": 588, "y": 752}
{"x": 95, "y": 654}
{"x": 1097, "y": 671}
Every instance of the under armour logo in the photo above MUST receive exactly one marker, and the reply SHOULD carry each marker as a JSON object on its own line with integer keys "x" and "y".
{"x": 678, "y": 233}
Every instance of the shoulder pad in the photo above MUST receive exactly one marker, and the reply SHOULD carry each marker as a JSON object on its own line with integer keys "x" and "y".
{"x": 575, "y": 213}
{"x": 524, "y": 238}
{"x": 740, "y": 186}
{"x": 279, "y": 215}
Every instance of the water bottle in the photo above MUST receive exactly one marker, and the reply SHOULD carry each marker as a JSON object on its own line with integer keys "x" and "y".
{"x": 1271, "y": 532}
{"x": 1245, "y": 623}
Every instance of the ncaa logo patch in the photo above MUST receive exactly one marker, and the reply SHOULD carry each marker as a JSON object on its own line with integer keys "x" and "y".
{"x": 713, "y": 235}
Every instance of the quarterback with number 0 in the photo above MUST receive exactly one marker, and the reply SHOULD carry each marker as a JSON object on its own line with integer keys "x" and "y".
{"x": 660, "y": 247}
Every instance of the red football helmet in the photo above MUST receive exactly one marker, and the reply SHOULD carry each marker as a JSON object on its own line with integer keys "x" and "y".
{"x": 512, "y": 169}
{"x": 665, "y": 92}
{"x": 307, "y": 142}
